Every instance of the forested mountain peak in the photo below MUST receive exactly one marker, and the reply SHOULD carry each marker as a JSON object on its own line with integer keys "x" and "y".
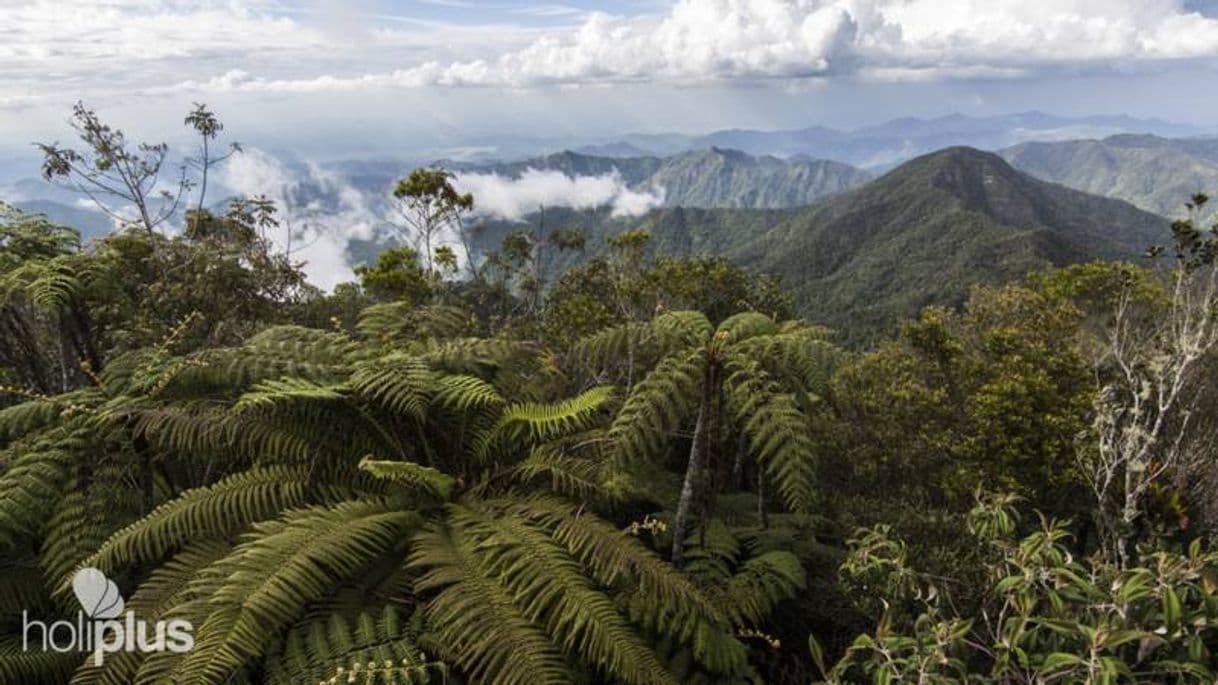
{"x": 930, "y": 229}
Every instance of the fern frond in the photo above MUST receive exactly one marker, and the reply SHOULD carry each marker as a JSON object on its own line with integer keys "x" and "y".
{"x": 23, "y": 588}
{"x": 222, "y": 510}
{"x": 470, "y": 355}
{"x": 33, "y": 415}
{"x": 271, "y": 394}
{"x": 29, "y": 490}
{"x": 36, "y": 666}
{"x": 51, "y": 284}
{"x": 279, "y": 568}
{"x": 532, "y": 423}
{"x": 660, "y": 597}
{"x": 658, "y": 405}
{"x": 747, "y": 325}
{"x": 166, "y": 589}
{"x": 411, "y": 476}
{"x": 315, "y": 651}
{"x": 613, "y": 344}
{"x": 615, "y": 558}
{"x": 228, "y": 369}
{"x": 552, "y": 589}
{"x": 308, "y": 345}
{"x": 402, "y": 383}
{"x": 89, "y": 512}
{"x": 760, "y": 584}
{"x": 777, "y": 431}
{"x": 682, "y": 329}
{"x": 461, "y": 393}
{"x": 808, "y": 362}
{"x": 476, "y": 620}
{"x": 713, "y": 553}
{"x": 404, "y": 323}
{"x": 579, "y": 478}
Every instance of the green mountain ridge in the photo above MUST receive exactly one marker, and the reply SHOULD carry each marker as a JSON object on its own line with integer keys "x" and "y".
{"x": 1153, "y": 173}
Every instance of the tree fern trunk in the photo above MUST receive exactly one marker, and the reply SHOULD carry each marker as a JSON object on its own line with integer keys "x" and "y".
{"x": 742, "y": 448}
{"x": 693, "y": 477}
{"x": 762, "y": 513}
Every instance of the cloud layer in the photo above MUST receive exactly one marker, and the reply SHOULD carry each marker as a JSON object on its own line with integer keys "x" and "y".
{"x": 208, "y": 46}
{"x": 318, "y": 212}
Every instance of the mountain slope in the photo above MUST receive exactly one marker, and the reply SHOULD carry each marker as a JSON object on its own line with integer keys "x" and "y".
{"x": 728, "y": 178}
{"x": 1156, "y": 174}
{"x": 713, "y": 177}
{"x": 929, "y": 230}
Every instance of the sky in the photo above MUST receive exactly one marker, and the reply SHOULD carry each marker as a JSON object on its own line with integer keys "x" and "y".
{"x": 337, "y": 79}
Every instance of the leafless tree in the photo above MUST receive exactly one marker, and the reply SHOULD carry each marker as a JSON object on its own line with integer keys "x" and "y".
{"x": 117, "y": 176}
{"x": 1151, "y": 376}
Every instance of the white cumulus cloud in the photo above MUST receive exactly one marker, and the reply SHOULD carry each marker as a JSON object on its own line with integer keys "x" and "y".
{"x": 701, "y": 41}
{"x": 513, "y": 198}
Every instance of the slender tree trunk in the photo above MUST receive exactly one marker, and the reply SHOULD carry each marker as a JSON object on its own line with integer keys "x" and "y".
{"x": 629, "y": 357}
{"x": 693, "y": 473}
{"x": 1129, "y": 515}
{"x": 742, "y": 447}
{"x": 762, "y": 514}
{"x": 538, "y": 255}
{"x": 203, "y": 180}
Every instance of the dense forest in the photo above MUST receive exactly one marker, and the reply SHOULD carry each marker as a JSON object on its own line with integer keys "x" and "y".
{"x": 579, "y": 458}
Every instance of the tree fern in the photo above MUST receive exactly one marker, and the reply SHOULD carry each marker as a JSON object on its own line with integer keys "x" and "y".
{"x": 727, "y": 365}
{"x": 265, "y": 521}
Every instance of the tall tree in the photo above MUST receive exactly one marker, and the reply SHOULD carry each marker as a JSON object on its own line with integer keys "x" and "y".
{"x": 208, "y": 126}
{"x": 430, "y": 205}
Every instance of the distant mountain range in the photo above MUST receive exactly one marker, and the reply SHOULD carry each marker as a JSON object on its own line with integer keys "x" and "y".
{"x": 1156, "y": 174}
{"x": 884, "y": 145}
{"x": 715, "y": 177}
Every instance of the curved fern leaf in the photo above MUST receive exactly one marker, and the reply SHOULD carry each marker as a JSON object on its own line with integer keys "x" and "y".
{"x": 282, "y": 566}
{"x": 658, "y": 404}
{"x": 412, "y": 476}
